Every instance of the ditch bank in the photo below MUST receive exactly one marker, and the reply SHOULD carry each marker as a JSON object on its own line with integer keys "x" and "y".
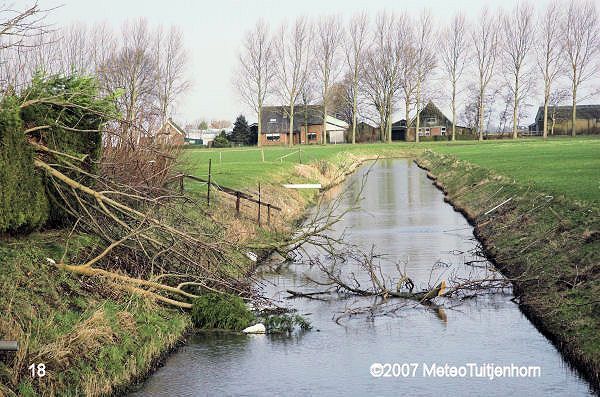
{"x": 548, "y": 245}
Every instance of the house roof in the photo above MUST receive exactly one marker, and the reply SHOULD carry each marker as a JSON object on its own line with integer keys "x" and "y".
{"x": 275, "y": 118}
{"x": 311, "y": 114}
{"x": 177, "y": 128}
{"x": 564, "y": 112}
{"x": 430, "y": 108}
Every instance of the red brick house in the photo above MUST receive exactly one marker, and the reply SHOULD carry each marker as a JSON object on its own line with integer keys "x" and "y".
{"x": 170, "y": 134}
{"x": 308, "y": 126}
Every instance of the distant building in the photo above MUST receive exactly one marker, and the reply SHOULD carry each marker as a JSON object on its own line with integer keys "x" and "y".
{"x": 308, "y": 126}
{"x": 560, "y": 120}
{"x": 205, "y": 137}
{"x": 365, "y": 132}
{"x": 170, "y": 134}
{"x": 432, "y": 122}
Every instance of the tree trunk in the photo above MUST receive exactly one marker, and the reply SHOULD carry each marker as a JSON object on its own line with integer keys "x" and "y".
{"x": 406, "y": 116}
{"x": 481, "y": 115}
{"x": 291, "y": 133}
{"x": 574, "y": 111}
{"x": 454, "y": 111}
{"x": 545, "y": 128}
{"x": 418, "y": 116}
{"x": 324, "y": 131}
{"x": 388, "y": 120}
{"x": 515, "y": 107}
{"x": 258, "y": 143}
{"x": 354, "y": 115}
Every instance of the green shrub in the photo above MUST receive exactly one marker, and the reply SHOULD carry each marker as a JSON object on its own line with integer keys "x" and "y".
{"x": 23, "y": 203}
{"x": 433, "y": 138}
{"x": 285, "y": 323}
{"x": 223, "y": 311}
{"x": 467, "y": 137}
{"x": 221, "y": 140}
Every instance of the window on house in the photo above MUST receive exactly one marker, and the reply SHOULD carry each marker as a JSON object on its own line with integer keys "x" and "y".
{"x": 312, "y": 136}
{"x": 430, "y": 120}
{"x": 272, "y": 120}
{"x": 443, "y": 130}
{"x": 272, "y": 137}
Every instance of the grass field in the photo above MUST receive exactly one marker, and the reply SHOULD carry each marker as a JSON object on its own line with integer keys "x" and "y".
{"x": 244, "y": 167}
{"x": 557, "y": 166}
{"x": 566, "y": 166}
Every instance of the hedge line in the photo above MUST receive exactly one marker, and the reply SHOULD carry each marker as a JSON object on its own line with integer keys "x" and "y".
{"x": 23, "y": 204}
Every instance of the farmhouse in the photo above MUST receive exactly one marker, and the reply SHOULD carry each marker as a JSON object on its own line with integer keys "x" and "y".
{"x": 170, "y": 134}
{"x": 308, "y": 126}
{"x": 432, "y": 122}
{"x": 560, "y": 121}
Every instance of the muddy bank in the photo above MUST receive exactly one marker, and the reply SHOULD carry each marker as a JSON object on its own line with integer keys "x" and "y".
{"x": 547, "y": 244}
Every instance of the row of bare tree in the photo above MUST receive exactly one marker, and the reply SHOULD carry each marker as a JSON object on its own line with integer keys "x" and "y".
{"x": 396, "y": 61}
{"x": 143, "y": 65}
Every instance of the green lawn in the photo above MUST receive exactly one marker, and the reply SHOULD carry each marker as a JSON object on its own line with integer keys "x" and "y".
{"x": 244, "y": 167}
{"x": 558, "y": 166}
{"x": 563, "y": 166}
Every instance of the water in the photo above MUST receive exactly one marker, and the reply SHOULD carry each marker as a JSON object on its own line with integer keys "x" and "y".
{"x": 405, "y": 216}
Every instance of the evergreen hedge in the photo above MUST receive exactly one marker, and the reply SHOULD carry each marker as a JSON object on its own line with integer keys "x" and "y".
{"x": 74, "y": 113}
{"x": 23, "y": 203}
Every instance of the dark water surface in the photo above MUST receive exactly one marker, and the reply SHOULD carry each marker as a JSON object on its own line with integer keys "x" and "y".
{"x": 406, "y": 217}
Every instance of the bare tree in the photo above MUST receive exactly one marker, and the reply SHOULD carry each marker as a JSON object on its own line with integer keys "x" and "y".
{"x": 580, "y": 34}
{"x": 103, "y": 45}
{"x": 292, "y": 49}
{"x": 518, "y": 27}
{"x": 485, "y": 37}
{"x": 131, "y": 70}
{"x": 256, "y": 70}
{"x": 16, "y": 26}
{"x": 171, "y": 59}
{"x": 22, "y": 31}
{"x": 355, "y": 44}
{"x": 454, "y": 53}
{"x": 407, "y": 79}
{"x": 329, "y": 36}
{"x": 342, "y": 100}
{"x": 220, "y": 124}
{"x": 548, "y": 53}
{"x": 381, "y": 72}
{"x": 425, "y": 60}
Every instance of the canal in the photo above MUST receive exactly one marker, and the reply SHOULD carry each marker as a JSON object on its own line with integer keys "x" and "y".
{"x": 405, "y": 216}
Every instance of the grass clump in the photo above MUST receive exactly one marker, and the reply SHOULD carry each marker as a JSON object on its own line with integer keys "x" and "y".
{"x": 223, "y": 311}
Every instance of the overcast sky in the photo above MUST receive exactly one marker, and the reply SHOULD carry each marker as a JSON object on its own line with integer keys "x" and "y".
{"x": 213, "y": 31}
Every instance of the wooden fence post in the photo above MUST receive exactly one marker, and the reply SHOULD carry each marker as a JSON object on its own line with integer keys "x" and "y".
{"x": 259, "y": 204}
{"x": 209, "y": 182}
{"x": 262, "y": 154}
{"x": 268, "y": 214}
{"x": 237, "y": 202}
{"x": 181, "y": 183}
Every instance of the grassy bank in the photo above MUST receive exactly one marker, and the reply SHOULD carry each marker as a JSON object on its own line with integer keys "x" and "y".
{"x": 92, "y": 339}
{"x": 548, "y": 243}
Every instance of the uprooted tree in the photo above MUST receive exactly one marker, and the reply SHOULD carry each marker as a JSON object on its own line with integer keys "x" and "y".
{"x": 50, "y": 172}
